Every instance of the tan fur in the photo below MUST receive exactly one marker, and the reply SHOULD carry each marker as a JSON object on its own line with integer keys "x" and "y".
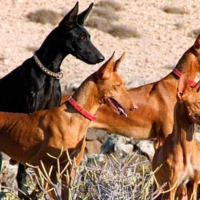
{"x": 154, "y": 117}
{"x": 28, "y": 138}
{"x": 179, "y": 155}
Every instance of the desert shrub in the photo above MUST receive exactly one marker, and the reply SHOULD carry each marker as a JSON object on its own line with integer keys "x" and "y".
{"x": 106, "y": 18}
{"x": 102, "y": 177}
{"x": 111, "y": 178}
{"x": 194, "y": 33}
{"x": 110, "y": 4}
{"x": 123, "y": 31}
{"x": 174, "y": 10}
{"x": 44, "y": 16}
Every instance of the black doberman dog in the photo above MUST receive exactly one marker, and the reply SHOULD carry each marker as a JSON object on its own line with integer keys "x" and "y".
{"x": 35, "y": 84}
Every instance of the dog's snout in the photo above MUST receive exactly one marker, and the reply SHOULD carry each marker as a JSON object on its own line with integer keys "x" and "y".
{"x": 133, "y": 107}
{"x": 101, "y": 58}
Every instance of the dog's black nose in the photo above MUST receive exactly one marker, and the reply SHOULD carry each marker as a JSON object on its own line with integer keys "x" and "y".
{"x": 101, "y": 58}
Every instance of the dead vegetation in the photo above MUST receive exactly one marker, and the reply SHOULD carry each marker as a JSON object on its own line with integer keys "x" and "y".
{"x": 44, "y": 16}
{"x": 106, "y": 13}
{"x": 123, "y": 31}
{"x": 113, "y": 5}
{"x": 32, "y": 48}
{"x": 113, "y": 177}
{"x": 174, "y": 10}
{"x": 103, "y": 177}
{"x": 194, "y": 33}
{"x": 105, "y": 17}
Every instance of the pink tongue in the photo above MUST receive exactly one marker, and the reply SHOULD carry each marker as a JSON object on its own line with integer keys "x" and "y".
{"x": 122, "y": 111}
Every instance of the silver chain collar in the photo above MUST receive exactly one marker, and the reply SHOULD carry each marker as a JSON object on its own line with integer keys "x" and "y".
{"x": 58, "y": 75}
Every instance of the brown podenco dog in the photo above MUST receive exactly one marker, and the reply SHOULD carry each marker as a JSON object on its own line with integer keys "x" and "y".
{"x": 179, "y": 155}
{"x": 28, "y": 138}
{"x": 155, "y": 101}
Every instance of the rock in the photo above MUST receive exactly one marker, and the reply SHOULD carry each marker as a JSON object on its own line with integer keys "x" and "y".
{"x": 71, "y": 87}
{"x": 93, "y": 147}
{"x": 126, "y": 148}
{"x": 108, "y": 146}
{"x": 146, "y": 147}
{"x": 121, "y": 145}
{"x": 96, "y": 134}
{"x": 8, "y": 176}
{"x": 117, "y": 143}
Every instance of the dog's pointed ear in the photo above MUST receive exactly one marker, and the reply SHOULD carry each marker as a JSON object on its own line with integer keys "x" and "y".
{"x": 107, "y": 68}
{"x": 183, "y": 85}
{"x": 197, "y": 42}
{"x": 82, "y": 16}
{"x": 70, "y": 18}
{"x": 117, "y": 62}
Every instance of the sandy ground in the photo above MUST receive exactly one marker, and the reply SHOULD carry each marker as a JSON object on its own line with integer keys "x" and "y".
{"x": 154, "y": 35}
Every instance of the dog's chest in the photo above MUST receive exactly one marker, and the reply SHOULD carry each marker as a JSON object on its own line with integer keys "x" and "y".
{"x": 197, "y": 78}
{"x": 187, "y": 174}
{"x": 49, "y": 95}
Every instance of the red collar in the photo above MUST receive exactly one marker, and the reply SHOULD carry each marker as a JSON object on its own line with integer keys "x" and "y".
{"x": 80, "y": 109}
{"x": 178, "y": 73}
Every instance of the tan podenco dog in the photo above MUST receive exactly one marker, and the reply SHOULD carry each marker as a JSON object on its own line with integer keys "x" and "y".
{"x": 28, "y": 138}
{"x": 179, "y": 157}
{"x": 155, "y": 101}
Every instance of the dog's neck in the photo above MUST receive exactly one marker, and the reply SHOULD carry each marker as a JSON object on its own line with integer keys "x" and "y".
{"x": 87, "y": 95}
{"x": 190, "y": 65}
{"x": 184, "y": 129}
{"x": 51, "y": 53}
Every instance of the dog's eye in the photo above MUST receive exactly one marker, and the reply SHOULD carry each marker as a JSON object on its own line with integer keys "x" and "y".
{"x": 83, "y": 37}
{"x": 118, "y": 85}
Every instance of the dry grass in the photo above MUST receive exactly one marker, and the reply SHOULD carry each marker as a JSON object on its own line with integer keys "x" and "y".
{"x": 2, "y": 58}
{"x": 44, "y": 16}
{"x": 105, "y": 177}
{"x": 179, "y": 25}
{"x": 174, "y": 10}
{"x": 32, "y": 48}
{"x": 168, "y": 67}
{"x": 104, "y": 12}
{"x": 194, "y": 33}
{"x": 114, "y": 178}
{"x": 111, "y": 4}
{"x": 123, "y": 31}
{"x": 116, "y": 30}
{"x": 105, "y": 17}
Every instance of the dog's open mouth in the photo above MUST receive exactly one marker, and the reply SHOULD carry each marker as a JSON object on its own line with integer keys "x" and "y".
{"x": 116, "y": 107}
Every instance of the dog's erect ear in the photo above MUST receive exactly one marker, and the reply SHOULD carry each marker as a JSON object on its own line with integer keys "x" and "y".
{"x": 117, "y": 62}
{"x": 70, "y": 18}
{"x": 183, "y": 85}
{"x": 107, "y": 68}
{"x": 197, "y": 42}
{"x": 82, "y": 17}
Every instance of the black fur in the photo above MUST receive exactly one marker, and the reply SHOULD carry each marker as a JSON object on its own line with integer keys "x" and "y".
{"x": 27, "y": 88}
